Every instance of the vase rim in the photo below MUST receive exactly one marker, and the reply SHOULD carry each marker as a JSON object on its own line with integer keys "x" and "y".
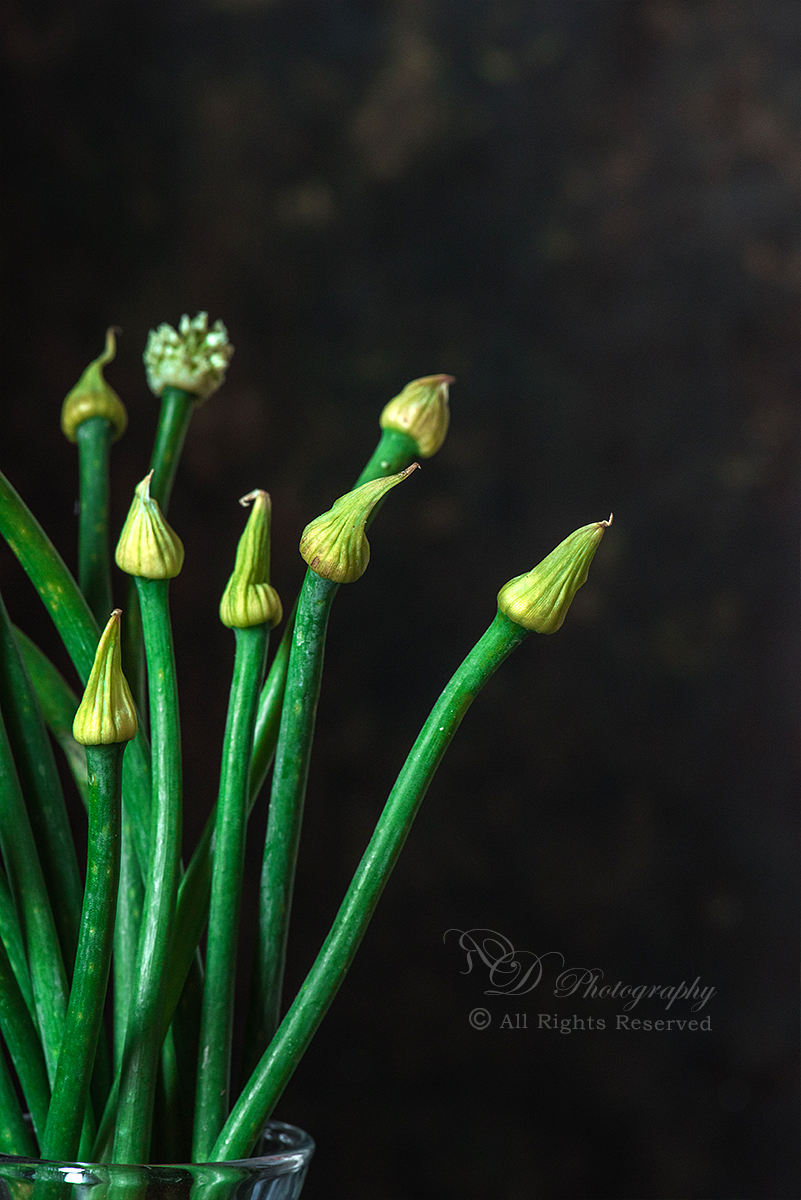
{"x": 296, "y": 1149}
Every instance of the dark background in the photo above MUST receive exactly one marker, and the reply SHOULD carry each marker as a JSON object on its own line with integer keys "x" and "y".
{"x": 589, "y": 213}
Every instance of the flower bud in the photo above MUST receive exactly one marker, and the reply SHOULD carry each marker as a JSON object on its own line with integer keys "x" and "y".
{"x": 421, "y": 411}
{"x": 106, "y": 713}
{"x": 540, "y": 599}
{"x": 334, "y": 545}
{"x": 248, "y": 598}
{"x": 193, "y": 357}
{"x": 92, "y": 397}
{"x": 148, "y": 546}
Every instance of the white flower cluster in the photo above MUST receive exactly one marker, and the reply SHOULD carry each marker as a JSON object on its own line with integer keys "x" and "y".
{"x": 193, "y": 357}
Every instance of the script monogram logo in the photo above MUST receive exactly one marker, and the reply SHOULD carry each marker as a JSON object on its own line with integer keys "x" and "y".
{"x": 511, "y": 972}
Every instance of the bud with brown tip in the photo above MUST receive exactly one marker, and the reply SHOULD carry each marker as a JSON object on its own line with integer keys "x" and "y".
{"x": 539, "y": 600}
{"x": 421, "y": 411}
{"x": 334, "y": 545}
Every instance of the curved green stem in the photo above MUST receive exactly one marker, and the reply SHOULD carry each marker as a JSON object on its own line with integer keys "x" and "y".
{"x": 144, "y": 1031}
{"x": 11, "y": 937}
{"x": 394, "y": 452}
{"x": 15, "y": 1136}
{"x": 59, "y": 705}
{"x": 41, "y": 787}
{"x": 94, "y": 563}
{"x": 88, "y": 994}
{"x": 321, "y": 984}
{"x": 48, "y": 978}
{"x": 287, "y": 796}
{"x": 217, "y": 1019}
{"x": 78, "y": 630}
{"x": 22, "y": 1039}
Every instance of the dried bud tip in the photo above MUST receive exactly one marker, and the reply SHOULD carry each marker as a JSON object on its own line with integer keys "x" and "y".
{"x": 334, "y": 545}
{"x": 93, "y": 397}
{"x": 540, "y": 599}
{"x": 192, "y": 357}
{"x": 421, "y": 411}
{"x": 106, "y": 714}
{"x": 148, "y": 545}
{"x": 248, "y": 599}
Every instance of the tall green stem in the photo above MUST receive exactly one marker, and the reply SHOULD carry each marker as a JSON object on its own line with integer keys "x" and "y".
{"x": 88, "y": 993}
{"x": 394, "y": 452}
{"x": 321, "y": 984}
{"x": 144, "y": 1032}
{"x": 175, "y": 415}
{"x": 94, "y": 563}
{"x": 214, "y": 1076}
{"x": 287, "y": 797}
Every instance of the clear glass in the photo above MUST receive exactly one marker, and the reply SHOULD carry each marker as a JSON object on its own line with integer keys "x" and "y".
{"x": 276, "y": 1174}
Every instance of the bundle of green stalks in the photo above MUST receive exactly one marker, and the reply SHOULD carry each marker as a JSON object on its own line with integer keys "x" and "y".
{"x": 107, "y": 1007}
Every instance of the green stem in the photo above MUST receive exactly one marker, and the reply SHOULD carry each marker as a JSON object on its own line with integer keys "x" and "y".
{"x": 268, "y": 717}
{"x": 79, "y": 632}
{"x": 59, "y": 705}
{"x": 175, "y": 414}
{"x": 321, "y": 984}
{"x": 94, "y": 563}
{"x": 287, "y": 797}
{"x": 144, "y": 1032}
{"x": 22, "y": 1039}
{"x": 395, "y": 451}
{"x": 170, "y": 1138}
{"x": 48, "y": 978}
{"x": 11, "y": 936}
{"x": 41, "y": 787}
{"x": 217, "y": 1020}
{"x": 88, "y": 994}
{"x": 15, "y": 1136}
{"x": 126, "y": 937}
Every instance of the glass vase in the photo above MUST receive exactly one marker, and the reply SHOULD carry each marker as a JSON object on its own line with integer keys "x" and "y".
{"x": 277, "y": 1173}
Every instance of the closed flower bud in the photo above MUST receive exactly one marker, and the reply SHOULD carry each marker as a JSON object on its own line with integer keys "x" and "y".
{"x": 148, "y": 546}
{"x": 191, "y": 357}
{"x": 421, "y": 411}
{"x": 334, "y": 545}
{"x": 248, "y": 599}
{"x": 540, "y": 599}
{"x": 106, "y": 713}
{"x": 92, "y": 397}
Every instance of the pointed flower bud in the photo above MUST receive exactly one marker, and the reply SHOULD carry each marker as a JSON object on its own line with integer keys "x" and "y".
{"x": 148, "y": 546}
{"x": 248, "y": 599}
{"x": 106, "y": 714}
{"x": 334, "y": 545}
{"x": 540, "y": 599}
{"x": 421, "y": 411}
{"x": 92, "y": 397}
{"x": 193, "y": 357}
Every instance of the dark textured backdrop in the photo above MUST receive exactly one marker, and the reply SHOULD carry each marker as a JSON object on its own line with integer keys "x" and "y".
{"x": 589, "y": 214}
